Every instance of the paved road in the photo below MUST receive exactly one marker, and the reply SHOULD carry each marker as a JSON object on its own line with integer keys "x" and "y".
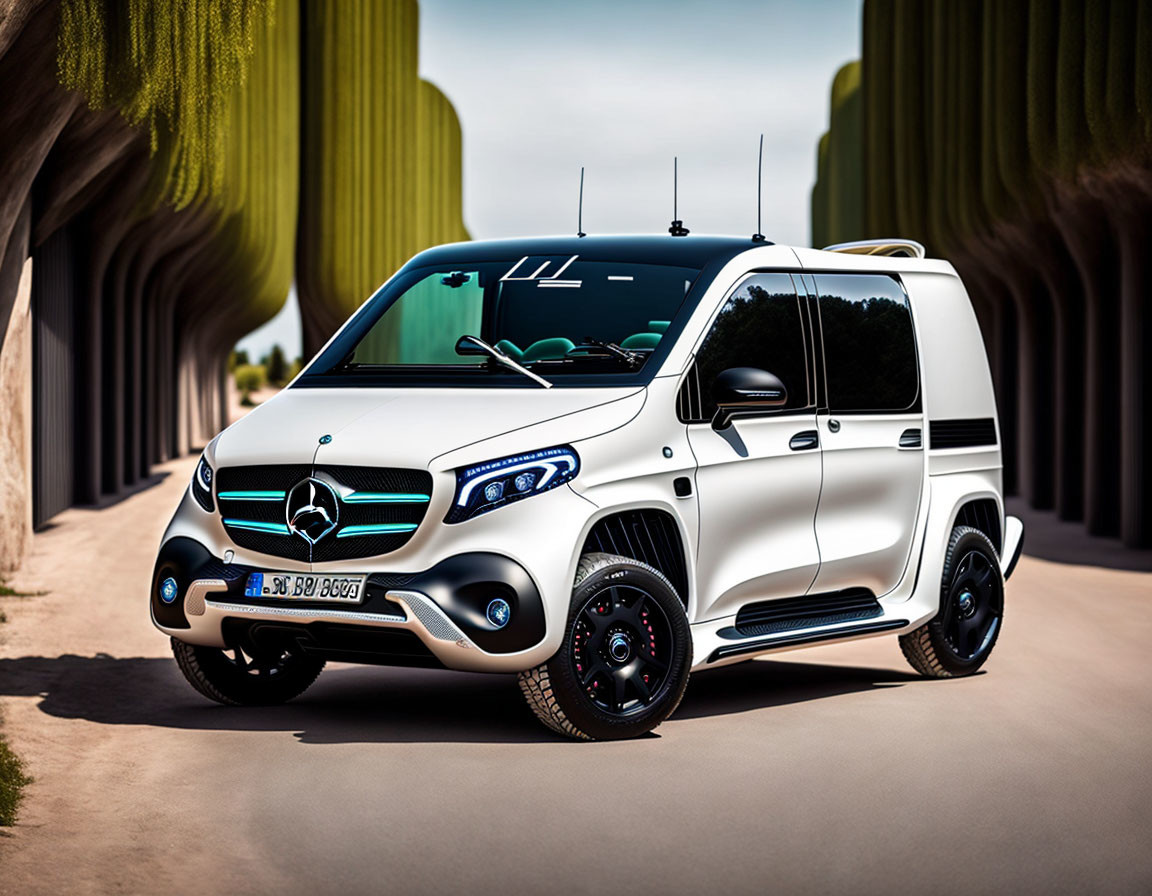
{"x": 831, "y": 769}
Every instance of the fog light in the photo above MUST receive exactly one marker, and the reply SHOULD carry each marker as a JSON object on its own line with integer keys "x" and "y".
{"x": 499, "y": 612}
{"x": 168, "y": 590}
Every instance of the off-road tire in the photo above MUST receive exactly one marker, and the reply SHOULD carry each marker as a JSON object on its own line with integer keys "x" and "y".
{"x": 927, "y": 648}
{"x": 553, "y": 690}
{"x": 218, "y": 677}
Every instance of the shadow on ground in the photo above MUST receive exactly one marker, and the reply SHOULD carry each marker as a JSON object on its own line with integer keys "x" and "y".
{"x": 377, "y": 705}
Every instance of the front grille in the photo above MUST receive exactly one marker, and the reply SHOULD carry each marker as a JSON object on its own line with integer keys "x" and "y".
{"x": 792, "y": 613}
{"x": 253, "y": 500}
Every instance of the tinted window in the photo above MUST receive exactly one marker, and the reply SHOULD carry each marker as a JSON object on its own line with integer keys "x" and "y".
{"x": 759, "y": 326}
{"x": 423, "y": 325}
{"x": 869, "y": 346}
{"x": 537, "y": 310}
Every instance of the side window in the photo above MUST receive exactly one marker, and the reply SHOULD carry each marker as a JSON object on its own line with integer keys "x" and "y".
{"x": 761, "y": 325}
{"x": 869, "y": 344}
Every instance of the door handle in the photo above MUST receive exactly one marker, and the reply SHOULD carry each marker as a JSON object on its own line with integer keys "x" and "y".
{"x": 910, "y": 438}
{"x": 805, "y": 441}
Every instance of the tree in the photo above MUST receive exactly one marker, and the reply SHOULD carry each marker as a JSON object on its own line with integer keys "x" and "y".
{"x": 276, "y": 366}
{"x": 249, "y": 378}
{"x": 238, "y": 358}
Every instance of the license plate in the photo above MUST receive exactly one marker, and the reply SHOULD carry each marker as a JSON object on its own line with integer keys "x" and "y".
{"x": 302, "y": 586}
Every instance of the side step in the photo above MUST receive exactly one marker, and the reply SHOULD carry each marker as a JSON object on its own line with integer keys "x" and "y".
{"x": 793, "y": 640}
{"x": 788, "y": 614}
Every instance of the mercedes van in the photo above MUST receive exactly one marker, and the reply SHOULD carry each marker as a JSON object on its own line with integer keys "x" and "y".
{"x": 604, "y": 463}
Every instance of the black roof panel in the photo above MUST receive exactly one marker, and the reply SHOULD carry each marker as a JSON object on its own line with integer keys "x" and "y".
{"x": 688, "y": 251}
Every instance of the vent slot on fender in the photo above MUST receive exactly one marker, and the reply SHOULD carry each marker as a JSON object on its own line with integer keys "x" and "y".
{"x": 690, "y": 399}
{"x": 649, "y": 536}
{"x": 962, "y": 433}
{"x": 985, "y": 516}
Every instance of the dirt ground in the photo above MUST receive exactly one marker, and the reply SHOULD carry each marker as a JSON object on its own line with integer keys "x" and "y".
{"x": 830, "y": 769}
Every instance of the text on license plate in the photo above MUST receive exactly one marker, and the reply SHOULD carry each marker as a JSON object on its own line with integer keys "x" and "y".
{"x": 302, "y": 586}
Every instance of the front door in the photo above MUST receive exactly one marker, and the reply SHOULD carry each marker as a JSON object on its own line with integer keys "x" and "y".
{"x": 871, "y": 433}
{"x": 758, "y": 481}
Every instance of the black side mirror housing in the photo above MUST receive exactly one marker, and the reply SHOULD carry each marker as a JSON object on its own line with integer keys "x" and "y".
{"x": 745, "y": 391}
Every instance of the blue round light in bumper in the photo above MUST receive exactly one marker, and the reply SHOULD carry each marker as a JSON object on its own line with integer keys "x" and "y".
{"x": 168, "y": 590}
{"x": 499, "y": 612}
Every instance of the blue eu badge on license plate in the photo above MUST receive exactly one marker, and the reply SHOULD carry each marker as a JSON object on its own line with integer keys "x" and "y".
{"x": 255, "y": 585}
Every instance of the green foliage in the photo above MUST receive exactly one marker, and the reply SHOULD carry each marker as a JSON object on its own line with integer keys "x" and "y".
{"x": 845, "y": 172}
{"x": 13, "y": 780}
{"x": 381, "y": 161}
{"x": 877, "y": 77}
{"x": 237, "y": 358}
{"x": 254, "y": 246}
{"x": 971, "y": 113}
{"x": 170, "y": 67}
{"x": 820, "y": 227}
{"x": 249, "y": 378}
{"x": 7, "y": 591}
{"x": 276, "y": 366}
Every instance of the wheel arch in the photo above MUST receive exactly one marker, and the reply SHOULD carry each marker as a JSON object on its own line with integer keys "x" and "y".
{"x": 651, "y": 535}
{"x": 983, "y": 514}
{"x": 949, "y": 495}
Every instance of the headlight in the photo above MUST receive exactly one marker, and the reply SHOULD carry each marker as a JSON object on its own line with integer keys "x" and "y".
{"x": 495, "y": 483}
{"x": 202, "y": 485}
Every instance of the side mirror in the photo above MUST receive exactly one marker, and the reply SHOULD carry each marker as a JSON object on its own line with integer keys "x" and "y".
{"x": 742, "y": 391}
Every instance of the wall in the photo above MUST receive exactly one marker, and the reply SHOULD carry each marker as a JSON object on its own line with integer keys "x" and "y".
{"x": 1015, "y": 139}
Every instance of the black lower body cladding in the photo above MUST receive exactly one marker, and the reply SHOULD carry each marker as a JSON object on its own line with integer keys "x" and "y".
{"x": 463, "y": 586}
{"x": 181, "y": 559}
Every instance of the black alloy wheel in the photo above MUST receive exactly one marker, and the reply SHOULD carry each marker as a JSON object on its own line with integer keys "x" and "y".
{"x": 972, "y": 609}
{"x": 623, "y": 664}
{"x": 959, "y": 638}
{"x": 621, "y": 645}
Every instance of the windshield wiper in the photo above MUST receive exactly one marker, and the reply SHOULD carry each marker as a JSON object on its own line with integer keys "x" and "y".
{"x": 634, "y": 360}
{"x": 463, "y": 348}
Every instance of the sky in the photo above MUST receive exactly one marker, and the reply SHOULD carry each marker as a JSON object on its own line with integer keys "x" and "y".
{"x": 542, "y": 88}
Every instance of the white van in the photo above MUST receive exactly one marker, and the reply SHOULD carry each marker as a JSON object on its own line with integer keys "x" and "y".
{"x": 603, "y": 463}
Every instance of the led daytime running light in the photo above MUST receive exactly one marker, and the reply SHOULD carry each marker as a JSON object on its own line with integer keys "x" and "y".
{"x": 495, "y": 483}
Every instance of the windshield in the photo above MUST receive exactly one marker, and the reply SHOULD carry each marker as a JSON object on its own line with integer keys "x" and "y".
{"x": 585, "y": 322}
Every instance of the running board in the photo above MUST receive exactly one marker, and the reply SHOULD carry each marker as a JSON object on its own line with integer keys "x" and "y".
{"x": 794, "y": 640}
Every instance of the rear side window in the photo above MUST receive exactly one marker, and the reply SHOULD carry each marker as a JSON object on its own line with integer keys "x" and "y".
{"x": 869, "y": 344}
{"x": 759, "y": 326}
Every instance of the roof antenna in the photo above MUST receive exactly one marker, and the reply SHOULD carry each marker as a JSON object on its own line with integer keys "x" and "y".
{"x": 677, "y": 228}
{"x": 580, "y": 207}
{"x": 758, "y": 237}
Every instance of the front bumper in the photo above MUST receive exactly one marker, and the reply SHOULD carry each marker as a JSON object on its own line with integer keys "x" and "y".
{"x": 443, "y": 609}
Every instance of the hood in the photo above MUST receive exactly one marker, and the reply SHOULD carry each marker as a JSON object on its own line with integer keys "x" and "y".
{"x": 409, "y": 427}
